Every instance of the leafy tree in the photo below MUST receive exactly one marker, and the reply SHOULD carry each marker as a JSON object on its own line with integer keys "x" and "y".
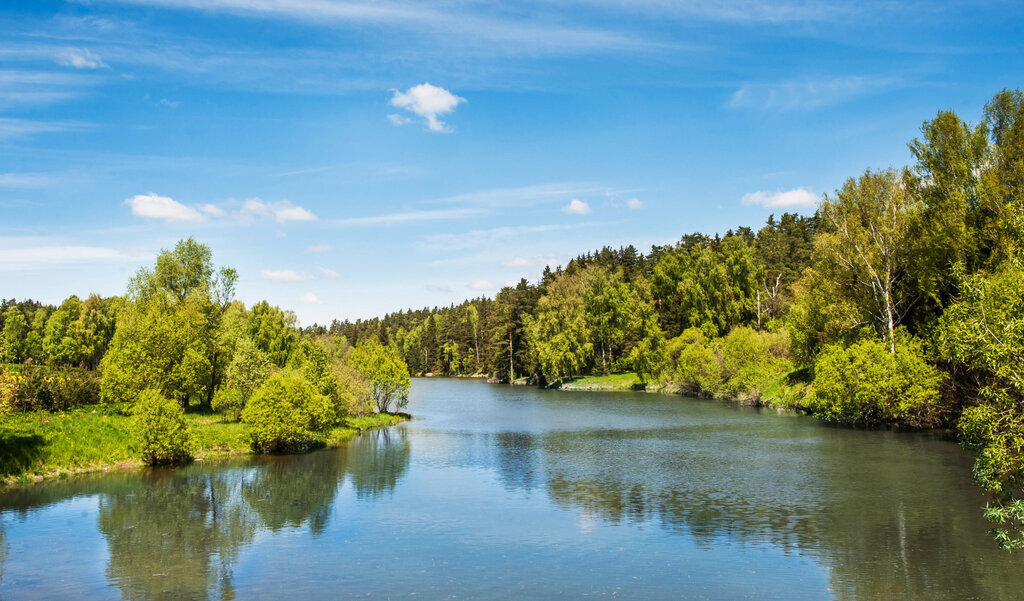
{"x": 13, "y": 343}
{"x": 34, "y": 337}
{"x": 559, "y": 335}
{"x": 273, "y": 330}
{"x": 868, "y": 246}
{"x": 60, "y": 343}
{"x": 385, "y": 372}
{"x": 750, "y": 359}
{"x": 167, "y": 333}
{"x": 160, "y": 427}
{"x": 984, "y": 330}
{"x": 286, "y": 414}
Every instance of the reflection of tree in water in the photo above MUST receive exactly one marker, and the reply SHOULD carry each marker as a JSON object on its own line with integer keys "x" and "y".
{"x": 837, "y": 495}
{"x": 177, "y": 536}
{"x": 292, "y": 491}
{"x": 377, "y": 460}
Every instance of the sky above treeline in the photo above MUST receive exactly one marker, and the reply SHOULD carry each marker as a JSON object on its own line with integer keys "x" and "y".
{"x": 353, "y": 158}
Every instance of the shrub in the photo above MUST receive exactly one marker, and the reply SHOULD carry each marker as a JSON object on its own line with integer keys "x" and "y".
{"x": 229, "y": 402}
{"x": 286, "y": 414}
{"x": 160, "y": 427}
{"x": 750, "y": 359}
{"x": 44, "y": 388}
{"x": 867, "y": 383}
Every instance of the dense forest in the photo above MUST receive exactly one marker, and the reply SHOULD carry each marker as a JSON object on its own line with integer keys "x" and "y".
{"x": 899, "y": 301}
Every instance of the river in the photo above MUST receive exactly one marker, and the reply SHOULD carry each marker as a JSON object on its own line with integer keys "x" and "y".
{"x": 497, "y": 492}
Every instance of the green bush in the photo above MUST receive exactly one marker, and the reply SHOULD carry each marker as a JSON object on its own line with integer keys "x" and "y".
{"x": 750, "y": 359}
{"x": 45, "y": 388}
{"x": 866, "y": 383}
{"x": 160, "y": 428}
{"x": 229, "y": 402}
{"x": 286, "y": 414}
{"x": 386, "y": 372}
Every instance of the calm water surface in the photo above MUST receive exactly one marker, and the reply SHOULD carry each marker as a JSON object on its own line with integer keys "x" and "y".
{"x": 495, "y": 492}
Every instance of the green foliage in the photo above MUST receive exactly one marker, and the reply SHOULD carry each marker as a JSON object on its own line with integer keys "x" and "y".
{"x": 286, "y": 414}
{"x": 984, "y": 330}
{"x": 229, "y": 402}
{"x": 868, "y": 383}
{"x": 750, "y": 359}
{"x": 12, "y": 340}
{"x": 692, "y": 364}
{"x": 559, "y": 335}
{"x": 163, "y": 436}
{"x": 45, "y": 388}
{"x": 385, "y": 372}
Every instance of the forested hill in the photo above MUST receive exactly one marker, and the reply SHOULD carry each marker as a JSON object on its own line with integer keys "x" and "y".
{"x": 712, "y": 282}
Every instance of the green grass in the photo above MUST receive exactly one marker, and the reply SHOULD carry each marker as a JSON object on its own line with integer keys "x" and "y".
{"x": 41, "y": 444}
{"x": 623, "y": 381}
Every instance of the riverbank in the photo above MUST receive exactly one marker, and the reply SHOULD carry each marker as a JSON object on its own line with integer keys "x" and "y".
{"x": 781, "y": 392}
{"x": 40, "y": 445}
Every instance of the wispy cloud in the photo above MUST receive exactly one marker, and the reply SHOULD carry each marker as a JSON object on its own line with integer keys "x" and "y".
{"x": 798, "y": 197}
{"x": 804, "y": 94}
{"x": 27, "y": 180}
{"x": 426, "y": 101}
{"x": 285, "y": 275}
{"x": 634, "y": 204}
{"x": 481, "y": 286}
{"x": 310, "y": 299}
{"x": 329, "y": 274}
{"x": 318, "y": 248}
{"x": 408, "y": 217}
{"x": 437, "y": 288}
{"x": 23, "y": 128}
{"x": 489, "y": 237}
{"x": 282, "y": 211}
{"x": 80, "y": 58}
{"x": 43, "y": 257}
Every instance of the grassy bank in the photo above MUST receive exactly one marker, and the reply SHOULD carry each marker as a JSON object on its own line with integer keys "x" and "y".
{"x": 784, "y": 391}
{"x": 98, "y": 438}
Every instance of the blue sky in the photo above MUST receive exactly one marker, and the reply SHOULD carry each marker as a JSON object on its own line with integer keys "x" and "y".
{"x": 355, "y": 158}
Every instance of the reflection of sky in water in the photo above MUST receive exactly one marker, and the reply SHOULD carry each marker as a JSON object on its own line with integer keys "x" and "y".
{"x": 497, "y": 492}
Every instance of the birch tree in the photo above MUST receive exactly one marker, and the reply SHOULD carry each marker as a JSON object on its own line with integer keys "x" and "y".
{"x": 868, "y": 244}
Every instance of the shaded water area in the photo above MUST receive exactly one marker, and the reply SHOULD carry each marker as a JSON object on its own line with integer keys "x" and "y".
{"x": 497, "y": 492}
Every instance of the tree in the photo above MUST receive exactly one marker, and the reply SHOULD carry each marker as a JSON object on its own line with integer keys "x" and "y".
{"x": 558, "y": 334}
{"x": 870, "y": 237}
{"x": 984, "y": 331}
{"x": 13, "y": 343}
{"x": 167, "y": 332}
{"x": 385, "y": 371}
{"x": 60, "y": 344}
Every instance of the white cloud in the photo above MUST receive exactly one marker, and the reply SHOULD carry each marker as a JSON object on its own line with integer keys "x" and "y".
{"x": 634, "y": 203}
{"x": 152, "y": 206}
{"x": 21, "y": 128}
{"x": 481, "y": 286}
{"x": 281, "y": 211}
{"x": 576, "y": 207}
{"x": 318, "y": 248}
{"x": 285, "y": 275}
{"x": 329, "y": 273}
{"x": 517, "y": 262}
{"x": 26, "y": 180}
{"x": 212, "y": 210}
{"x": 171, "y": 104}
{"x": 35, "y": 257}
{"x": 426, "y": 101}
{"x": 797, "y": 197}
{"x": 80, "y": 58}
{"x": 310, "y": 299}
